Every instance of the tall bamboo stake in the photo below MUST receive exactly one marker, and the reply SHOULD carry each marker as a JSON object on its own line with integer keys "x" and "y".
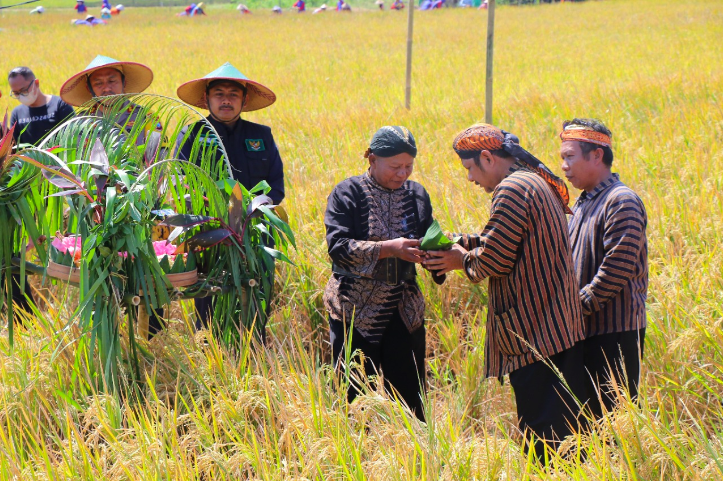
{"x": 490, "y": 51}
{"x": 410, "y": 31}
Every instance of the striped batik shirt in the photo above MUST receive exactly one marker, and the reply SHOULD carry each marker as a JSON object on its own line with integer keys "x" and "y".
{"x": 610, "y": 250}
{"x": 534, "y": 310}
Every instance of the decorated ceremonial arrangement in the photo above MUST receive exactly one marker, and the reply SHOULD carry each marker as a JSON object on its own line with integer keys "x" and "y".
{"x": 109, "y": 209}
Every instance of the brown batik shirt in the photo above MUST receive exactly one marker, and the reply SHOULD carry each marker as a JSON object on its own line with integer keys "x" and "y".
{"x": 360, "y": 214}
{"x": 534, "y": 309}
{"x": 610, "y": 249}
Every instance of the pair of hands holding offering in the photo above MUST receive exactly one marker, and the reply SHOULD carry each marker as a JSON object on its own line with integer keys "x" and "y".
{"x": 435, "y": 252}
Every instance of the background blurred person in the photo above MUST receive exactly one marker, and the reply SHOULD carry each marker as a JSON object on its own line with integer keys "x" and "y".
{"x": 38, "y": 113}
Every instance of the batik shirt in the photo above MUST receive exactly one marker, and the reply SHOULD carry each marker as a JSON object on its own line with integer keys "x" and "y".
{"x": 360, "y": 214}
{"x": 533, "y": 307}
{"x": 610, "y": 250}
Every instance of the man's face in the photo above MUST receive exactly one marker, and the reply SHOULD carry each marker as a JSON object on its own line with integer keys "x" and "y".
{"x": 579, "y": 170}
{"x": 225, "y": 101}
{"x": 21, "y": 87}
{"x": 106, "y": 81}
{"x": 391, "y": 172}
{"x": 483, "y": 174}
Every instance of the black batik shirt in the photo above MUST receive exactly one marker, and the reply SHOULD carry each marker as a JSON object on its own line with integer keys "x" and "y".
{"x": 360, "y": 214}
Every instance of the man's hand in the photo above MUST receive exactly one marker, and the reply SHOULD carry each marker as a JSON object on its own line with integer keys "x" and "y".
{"x": 442, "y": 262}
{"x": 405, "y": 249}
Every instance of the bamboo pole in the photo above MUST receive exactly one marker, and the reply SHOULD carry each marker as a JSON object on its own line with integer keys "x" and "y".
{"x": 490, "y": 52}
{"x": 410, "y": 34}
{"x": 17, "y": 4}
{"x": 143, "y": 322}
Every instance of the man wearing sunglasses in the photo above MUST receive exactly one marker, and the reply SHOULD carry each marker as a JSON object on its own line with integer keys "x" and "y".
{"x": 38, "y": 113}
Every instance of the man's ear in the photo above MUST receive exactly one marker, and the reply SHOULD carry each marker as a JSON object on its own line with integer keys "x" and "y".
{"x": 597, "y": 156}
{"x": 485, "y": 157}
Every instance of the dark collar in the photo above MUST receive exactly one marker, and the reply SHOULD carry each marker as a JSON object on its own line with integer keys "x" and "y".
{"x": 601, "y": 187}
{"x": 221, "y": 127}
{"x": 519, "y": 165}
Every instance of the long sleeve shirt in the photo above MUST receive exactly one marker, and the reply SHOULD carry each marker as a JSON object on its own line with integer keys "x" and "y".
{"x": 610, "y": 250}
{"x": 533, "y": 308}
{"x": 360, "y": 214}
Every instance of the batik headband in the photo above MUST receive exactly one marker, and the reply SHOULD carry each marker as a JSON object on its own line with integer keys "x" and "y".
{"x": 392, "y": 140}
{"x": 470, "y": 142}
{"x": 581, "y": 133}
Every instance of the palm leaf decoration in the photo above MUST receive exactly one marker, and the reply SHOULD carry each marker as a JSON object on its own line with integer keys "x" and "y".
{"x": 19, "y": 206}
{"x": 113, "y": 168}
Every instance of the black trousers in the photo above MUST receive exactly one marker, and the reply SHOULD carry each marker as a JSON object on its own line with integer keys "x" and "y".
{"x": 204, "y": 306}
{"x": 612, "y": 360}
{"x": 400, "y": 355}
{"x": 546, "y": 409}
{"x": 19, "y": 298}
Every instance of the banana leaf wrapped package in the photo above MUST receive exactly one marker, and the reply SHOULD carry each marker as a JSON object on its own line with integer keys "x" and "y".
{"x": 435, "y": 240}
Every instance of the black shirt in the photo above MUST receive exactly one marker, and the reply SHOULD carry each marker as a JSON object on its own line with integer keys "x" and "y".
{"x": 251, "y": 151}
{"x": 34, "y": 122}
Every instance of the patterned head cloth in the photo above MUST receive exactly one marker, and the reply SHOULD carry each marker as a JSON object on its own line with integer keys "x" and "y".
{"x": 392, "y": 140}
{"x": 473, "y": 140}
{"x": 582, "y": 133}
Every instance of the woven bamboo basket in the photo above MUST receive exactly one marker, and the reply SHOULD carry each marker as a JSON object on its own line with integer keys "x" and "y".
{"x": 63, "y": 273}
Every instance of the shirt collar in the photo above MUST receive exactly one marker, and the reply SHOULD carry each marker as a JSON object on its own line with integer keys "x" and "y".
{"x": 518, "y": 165}
{"x": 602, "y": 186}
{"x": 221, "y": 127}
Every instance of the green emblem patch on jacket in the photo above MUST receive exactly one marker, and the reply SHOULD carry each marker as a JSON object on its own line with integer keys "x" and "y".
{"x": 255, "y": 145}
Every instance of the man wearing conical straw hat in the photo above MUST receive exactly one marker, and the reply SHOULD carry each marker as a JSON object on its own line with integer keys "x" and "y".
{"x": 250, "y": 147}
{"x": 106, "y": 76}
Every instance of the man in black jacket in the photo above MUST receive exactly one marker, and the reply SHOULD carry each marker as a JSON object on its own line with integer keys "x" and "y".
{"x": 250, "y": 148}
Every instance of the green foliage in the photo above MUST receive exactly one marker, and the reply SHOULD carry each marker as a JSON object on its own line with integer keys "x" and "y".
{"x": 114, "y": 168}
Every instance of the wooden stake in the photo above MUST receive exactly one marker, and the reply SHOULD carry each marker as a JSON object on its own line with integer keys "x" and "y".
{"x": 490, "y": 51}
{"x": 410, "y": 31}
{"x": 143, "y": 322}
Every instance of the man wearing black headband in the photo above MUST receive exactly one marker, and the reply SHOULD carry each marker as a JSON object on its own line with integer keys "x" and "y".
{"x": 374, "y": 223}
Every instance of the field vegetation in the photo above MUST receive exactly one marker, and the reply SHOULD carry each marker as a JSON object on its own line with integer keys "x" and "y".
{"x": 651, "y": 69}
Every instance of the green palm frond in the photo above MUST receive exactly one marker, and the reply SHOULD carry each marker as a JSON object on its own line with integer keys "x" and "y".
{"x": 112, "y": 169}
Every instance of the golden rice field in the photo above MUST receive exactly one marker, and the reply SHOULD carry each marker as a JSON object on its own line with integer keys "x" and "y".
{"x": 651, "y": 69}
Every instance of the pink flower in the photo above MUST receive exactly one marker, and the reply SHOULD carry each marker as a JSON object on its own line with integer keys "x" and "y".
{"x": 164, "y": 248}
{"x": 69, "y": 245}
{"x": 67, "y": 242}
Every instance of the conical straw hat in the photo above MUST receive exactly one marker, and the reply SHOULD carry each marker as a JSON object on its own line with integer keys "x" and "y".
{"x": 75, "y": 90}
{"x": 257, "y": 96}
